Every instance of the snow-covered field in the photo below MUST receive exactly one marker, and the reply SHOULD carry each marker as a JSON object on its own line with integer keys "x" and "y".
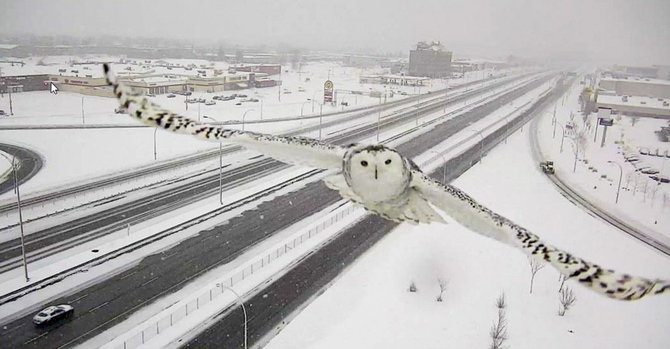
{"x": 370, "y": 306}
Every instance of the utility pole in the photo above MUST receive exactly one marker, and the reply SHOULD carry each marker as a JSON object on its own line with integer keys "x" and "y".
{"x": 82, "y": 111}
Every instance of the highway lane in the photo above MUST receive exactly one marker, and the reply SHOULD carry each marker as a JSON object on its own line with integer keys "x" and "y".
{"x": 30, "y": 163}
{"x": 84, "y": 229}
{"x": 110, "y": 301}
{"x": 52, "y": 240}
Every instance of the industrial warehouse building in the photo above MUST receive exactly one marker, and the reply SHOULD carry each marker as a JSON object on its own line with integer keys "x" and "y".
{"x": 646, "y": 97}
{"x": 637, "y": 87}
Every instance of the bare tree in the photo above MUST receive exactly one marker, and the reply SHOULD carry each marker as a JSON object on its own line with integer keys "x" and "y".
{"x": 498, "y": 331}
{"x": 535, "y": 266}
{"x": 634, "y": 120}
{"x": 561, "y": 279}
{"x": 412, "y": 287}
{"x": 567, "y": 299}
{"x": 443, "y": 286}
{"x": 500, "y": 302}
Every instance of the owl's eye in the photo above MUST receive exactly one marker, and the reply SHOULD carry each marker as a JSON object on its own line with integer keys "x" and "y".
{"x": 388, "y": 161}
{"x": 364, "y": 163}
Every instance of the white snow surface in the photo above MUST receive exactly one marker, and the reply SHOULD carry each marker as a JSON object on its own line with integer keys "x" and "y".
{"x": 370, "y": 306}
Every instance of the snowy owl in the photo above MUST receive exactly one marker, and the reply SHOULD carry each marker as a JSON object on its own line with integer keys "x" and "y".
{"x": 383, "y": 181}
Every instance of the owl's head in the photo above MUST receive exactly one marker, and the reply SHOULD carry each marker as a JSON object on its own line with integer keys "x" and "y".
{"x": 376, "y": 172}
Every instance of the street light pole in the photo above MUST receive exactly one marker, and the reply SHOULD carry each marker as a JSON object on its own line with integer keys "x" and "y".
{"x": 507, "y": 125}
{"x": 9, "y": 92}
{"x": 481, "y": 148}
{"x": 379, "y": 118}
{"x": 302, "y": 106}
{"x": 244, "y": 310}
{"x": 620, "y": 175}
{"x": 261, "y": 108}
{"x": 320, "y": 119}
{"x": 444, "y": 171}
{"x": 15, "y": 166}
{"x": 418, "y": 100}
{"x": 562, "y": 134}
{"x": 156, "y": 129}
{"x": 220, "y": 166}
{"x": 574, "y": 166}
{"x": 243, "y": 115}
{"x": 313, "y": 95}
{"x": 82, "y": 111}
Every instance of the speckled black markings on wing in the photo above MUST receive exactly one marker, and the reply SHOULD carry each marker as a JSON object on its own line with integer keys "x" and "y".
{"x": 605, "y": 281}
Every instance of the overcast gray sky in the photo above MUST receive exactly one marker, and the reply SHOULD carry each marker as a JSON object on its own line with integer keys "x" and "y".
{"x": 625, "y": 31}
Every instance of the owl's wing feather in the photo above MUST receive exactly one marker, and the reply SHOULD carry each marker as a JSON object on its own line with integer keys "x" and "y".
{"x": 465, "y": 210}
{"x": 293, "y": 150}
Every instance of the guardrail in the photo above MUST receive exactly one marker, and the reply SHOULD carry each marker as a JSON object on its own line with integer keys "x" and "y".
{"x": 183, "y": 309}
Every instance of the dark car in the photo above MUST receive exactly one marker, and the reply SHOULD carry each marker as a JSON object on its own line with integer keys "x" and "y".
{"x": 659, "y": 178}
{"x": 52, "y": 314}
{"x": 652, "y": 171}
{"x": 171, "y": 96}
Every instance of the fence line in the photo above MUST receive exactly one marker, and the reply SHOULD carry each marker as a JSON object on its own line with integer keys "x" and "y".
{"x": 155, "y": 328}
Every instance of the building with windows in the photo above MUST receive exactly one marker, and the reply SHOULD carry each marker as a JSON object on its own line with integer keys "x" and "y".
{"x": 24, "y": 83}
{"x": 430, "y": 59}
{"x": 269, "y": 69}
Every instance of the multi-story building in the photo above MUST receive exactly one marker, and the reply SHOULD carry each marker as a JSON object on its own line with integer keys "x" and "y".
{"x": 430, "y": 59}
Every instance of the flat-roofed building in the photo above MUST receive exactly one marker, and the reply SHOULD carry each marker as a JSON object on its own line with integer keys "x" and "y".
{"x": 430, "y": 59}
{"x": 636, "y": 105}
{"x": 637, "y": 87}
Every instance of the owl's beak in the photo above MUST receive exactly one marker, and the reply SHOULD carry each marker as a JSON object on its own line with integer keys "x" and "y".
{"x": 375, "y": 172}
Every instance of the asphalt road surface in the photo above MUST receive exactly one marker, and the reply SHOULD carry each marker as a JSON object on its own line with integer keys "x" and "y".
{"x": 30, "y": 163}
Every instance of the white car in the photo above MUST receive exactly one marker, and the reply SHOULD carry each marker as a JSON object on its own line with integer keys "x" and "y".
{"x": 52, "y": 314}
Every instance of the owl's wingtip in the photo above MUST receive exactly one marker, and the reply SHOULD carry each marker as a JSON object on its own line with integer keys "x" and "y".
{"x": 109, "y": 77}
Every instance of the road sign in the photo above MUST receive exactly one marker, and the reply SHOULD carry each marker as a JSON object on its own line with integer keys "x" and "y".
{"x": 328, "y": 91}
{"x": 606, "y": 122}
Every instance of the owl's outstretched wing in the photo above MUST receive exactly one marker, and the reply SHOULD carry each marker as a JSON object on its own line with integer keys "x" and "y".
{"x": 465, "y": 210}
{"x": 293, "y": 150}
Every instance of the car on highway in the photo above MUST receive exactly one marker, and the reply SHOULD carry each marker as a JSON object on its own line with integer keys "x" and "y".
{"x": 52, "y": 314}
{"x": 631, "y": 158}
{"x": 650, "y": 170}
{"x": 661, "y": 179}
{"x": 171, "y": 96}
{"x": 547, "y": 167}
